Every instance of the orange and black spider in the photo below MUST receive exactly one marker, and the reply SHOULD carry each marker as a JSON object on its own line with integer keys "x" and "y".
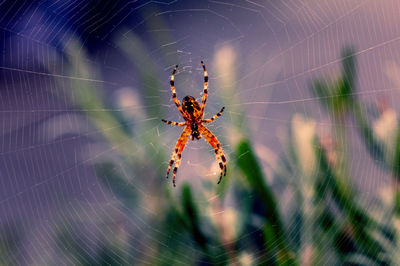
{"x": 193, "y": 114}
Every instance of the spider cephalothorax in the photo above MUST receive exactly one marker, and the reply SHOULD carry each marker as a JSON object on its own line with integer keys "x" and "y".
{"x": 193, "y": 114}
{"x": 191, "y": 108}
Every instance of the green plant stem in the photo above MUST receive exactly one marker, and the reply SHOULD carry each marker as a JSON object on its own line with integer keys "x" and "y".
{"x": 274, "y": 234}
{"x": 342, "y": 193}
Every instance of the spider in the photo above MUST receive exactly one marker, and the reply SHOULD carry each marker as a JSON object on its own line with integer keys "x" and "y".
{"x": 193, "y": 114}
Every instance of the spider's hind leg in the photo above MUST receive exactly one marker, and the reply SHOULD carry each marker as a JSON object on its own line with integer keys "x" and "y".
{"x": 219, "y": 154}
{"x": 180, "y": 145}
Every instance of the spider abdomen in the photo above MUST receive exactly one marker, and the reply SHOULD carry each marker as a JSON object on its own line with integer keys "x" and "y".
{"x": 195, "y": 131}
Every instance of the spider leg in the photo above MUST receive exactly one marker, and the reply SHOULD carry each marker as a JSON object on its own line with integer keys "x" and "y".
{"x": 180, "y": 145}
{"x": 214, "y": 117}
{"x": 179, "y": 124}
{"x": 172, "y": 83}
{"x": 219, "y": 154}
{"x": 205, "y": 90}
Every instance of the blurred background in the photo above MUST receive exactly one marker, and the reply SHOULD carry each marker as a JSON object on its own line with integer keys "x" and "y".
{"x": 310, "y": 132}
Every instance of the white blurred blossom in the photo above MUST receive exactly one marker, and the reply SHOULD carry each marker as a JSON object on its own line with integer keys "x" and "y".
{"x": 269, "y": 158}
{"x": 307, "y": 255}
{"x": 385, "y": 129}
{"x": 230, "y": 218}
{"x": 227, "y": 219}
{"x": 129, "y": 101}
{"x": 246, "y": 259}
{"x": 386, "y": 195}
{"x": 303, "y": 139}
{"x": 224, "y": 61}
{"x": 303, "y": 134}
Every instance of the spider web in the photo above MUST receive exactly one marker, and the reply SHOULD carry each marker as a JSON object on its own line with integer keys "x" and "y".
{"x": 84, "y": 86}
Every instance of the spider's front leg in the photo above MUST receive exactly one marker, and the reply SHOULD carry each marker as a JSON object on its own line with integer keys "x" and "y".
{"x": 172, "y": 84}
{"x": 180, "y": 145}
{"x": 219, "y": 154}
{"x": 205, "y": 89}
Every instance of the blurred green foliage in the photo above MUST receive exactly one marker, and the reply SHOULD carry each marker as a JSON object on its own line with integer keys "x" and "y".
{"x": 274, "y": 233}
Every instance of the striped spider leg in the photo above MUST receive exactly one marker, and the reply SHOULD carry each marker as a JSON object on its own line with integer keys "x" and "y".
{"x": 172, "y": 83}
{"x": 219, "y": 154}
{"x": 177, "y": 155}
{"x": 206, "y": 121}
{"x": 205, "y": 89}
{"x": 179, "y": 124}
